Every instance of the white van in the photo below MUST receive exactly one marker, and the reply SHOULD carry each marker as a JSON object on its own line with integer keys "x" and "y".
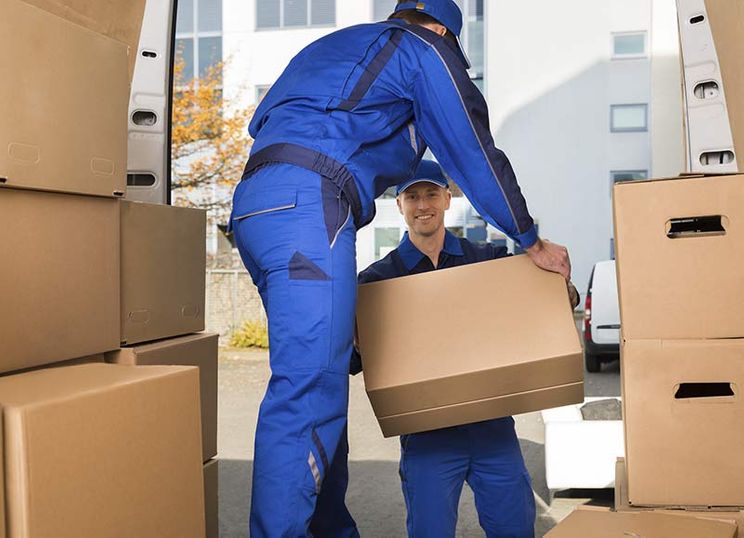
{"x": 601, "y": 317}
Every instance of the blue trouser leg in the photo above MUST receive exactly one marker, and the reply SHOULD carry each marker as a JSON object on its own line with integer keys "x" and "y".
{"x": 433, "y": 467}
{"x": 306, "y": 275}
{"x": 499, "y": 480}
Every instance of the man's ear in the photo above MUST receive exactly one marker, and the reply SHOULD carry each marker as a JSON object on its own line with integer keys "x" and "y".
{"x": 448, "y": 197}
{"x": 397, "y": 201}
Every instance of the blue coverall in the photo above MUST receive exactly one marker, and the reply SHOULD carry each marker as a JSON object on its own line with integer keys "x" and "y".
{"x": 350, "y": 116}
{"x": 434, "y": 465}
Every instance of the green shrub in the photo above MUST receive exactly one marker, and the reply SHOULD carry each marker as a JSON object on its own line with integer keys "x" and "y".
{"x": 251, "y": 334}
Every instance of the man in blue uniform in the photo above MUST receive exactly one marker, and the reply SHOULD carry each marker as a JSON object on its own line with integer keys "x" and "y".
{"x": 434, "y": 465}
{"x": 351, "y": 115}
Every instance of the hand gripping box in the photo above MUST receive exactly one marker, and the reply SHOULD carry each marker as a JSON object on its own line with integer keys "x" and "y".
{"x": 192, "y": 350}
{"x": 163, "y": 271}
{"x": 683, "y": 412}
{"x": 103, "y": 451}
{"x": 680, "y": 251}
{"x": 468, "y": 344}
{"x": 59, "y": 280}
{"x": 64, "y": 104}
{"x": 712, "y": 56}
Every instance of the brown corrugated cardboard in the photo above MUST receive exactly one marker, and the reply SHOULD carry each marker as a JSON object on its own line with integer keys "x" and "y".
{"x": 595, "y": 522}
{"x": 712, "y": 56}
{"x": 64, "y": 117}
{"x": 163, "y": 266}
{"x": 498, "y": 338}
{"x": 680, "y": 247}
{"x": 623, "y": 505}
{"x": 90, "y": 359}
{"x": 211, "y": 498}
{"x": 682, "y": 403}
{"x": 193, "y": 350}
{"x": 2, "y": 478}
{"x": 60, "y": 285}
{"x": 121, "y": 21}
{"x": 103, "y": 450}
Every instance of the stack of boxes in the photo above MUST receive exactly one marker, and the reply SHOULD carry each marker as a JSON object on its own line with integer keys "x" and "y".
{"x": 108, "y": 391}
{"x": 680, "y": 249}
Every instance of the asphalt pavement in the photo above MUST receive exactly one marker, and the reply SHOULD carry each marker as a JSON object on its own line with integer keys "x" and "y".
{"x": 374, "y": 498}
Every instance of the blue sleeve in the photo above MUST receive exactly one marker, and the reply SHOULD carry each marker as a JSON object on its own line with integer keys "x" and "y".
{"x": 452, "y": 117}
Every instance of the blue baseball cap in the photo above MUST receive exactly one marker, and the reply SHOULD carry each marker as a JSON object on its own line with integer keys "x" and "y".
{"x": 428, "y": 171}
{"x": 446, "y": 12}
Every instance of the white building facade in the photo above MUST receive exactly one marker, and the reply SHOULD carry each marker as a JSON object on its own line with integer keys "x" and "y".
{"x": 581, "y": 93}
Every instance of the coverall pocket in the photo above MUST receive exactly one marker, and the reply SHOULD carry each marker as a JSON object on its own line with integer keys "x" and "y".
{"x": 310, "y": 329}
{"x": 264, "y": 202}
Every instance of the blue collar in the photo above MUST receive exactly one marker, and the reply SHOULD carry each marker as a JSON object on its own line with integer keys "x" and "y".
{"x": 412, "y": 256}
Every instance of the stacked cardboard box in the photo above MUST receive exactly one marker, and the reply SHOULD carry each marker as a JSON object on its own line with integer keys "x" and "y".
{"x": 434, "y": 371}
{"x": 90, "y": 277}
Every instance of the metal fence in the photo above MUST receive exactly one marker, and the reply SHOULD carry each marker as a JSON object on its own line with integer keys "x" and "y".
{"x": 231, "y": 300}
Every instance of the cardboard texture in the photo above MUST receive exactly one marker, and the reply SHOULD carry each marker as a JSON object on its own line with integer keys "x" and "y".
{"x": 163, "y": 266}
{"x": 121, "y": 21}
{"x": 60, "y": 294}
{"x": 64, "y": 122}
{"x": 194, "y": 350}
{"x": 712, "y": 56}
{"x": 103, "y": 450}
{"x": 682, "y": 403}
{"x": 679, "y": 274}
{"x": 91, "y": 359}
{"x": 593, "y": 522}
{"x": 498, "y": 339}
{"x": 211, "y": 498}
{"x": 2, "y": 478}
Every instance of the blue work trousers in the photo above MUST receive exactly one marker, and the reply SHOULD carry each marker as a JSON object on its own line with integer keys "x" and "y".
{"x": 434, "y": 466}
{"x": 296, "y": 236}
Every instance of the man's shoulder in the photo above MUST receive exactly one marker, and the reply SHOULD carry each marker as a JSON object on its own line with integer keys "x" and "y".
{"x": 382, "y": 269}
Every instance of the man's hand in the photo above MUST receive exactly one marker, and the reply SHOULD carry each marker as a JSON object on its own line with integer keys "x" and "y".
{"x": 573, "y": 295}
{"x": 551, "y": 257}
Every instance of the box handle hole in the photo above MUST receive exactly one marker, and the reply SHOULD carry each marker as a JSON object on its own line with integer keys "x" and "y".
{"x": 688, "y": 391}
{"x": 716, "y": 157}
{"x": 705, "y": 226}
{"x": 697, "y": 19}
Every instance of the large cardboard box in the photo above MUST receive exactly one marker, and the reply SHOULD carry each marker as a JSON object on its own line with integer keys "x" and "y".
{"x": 712, "y": 57}
{"x": 59, "y": 282}
{"x": 622, "y": 504}
{"x": 194, "y": 350}
{"x": 211, "y": 498}
{"x": 468, "y": 344}
{"x": 64, "y": 109}
{"x": 2, "y": 478}
{"x": 163, "y": 271}
{"x": 683, "y": 413}
{"x": 595, "y": 522}
{"x": 680, "y": 247}
{"x": 103, "y": 450}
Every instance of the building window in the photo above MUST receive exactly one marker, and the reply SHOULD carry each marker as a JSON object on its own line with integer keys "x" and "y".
{"x": 628, "y": 175}
{"x": 261, "y": 91}
{"x": 386, "y": 239}
{"x": 199, "y": 36}
{"x": 629, "y": 45}
{"x": 628, "y": 118}
{"x": 272, "y": 14}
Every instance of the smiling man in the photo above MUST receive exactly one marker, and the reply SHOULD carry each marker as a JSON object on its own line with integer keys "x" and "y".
{"x": 434, "y": 465}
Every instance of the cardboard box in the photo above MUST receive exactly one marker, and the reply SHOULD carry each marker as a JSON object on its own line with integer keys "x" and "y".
{"x": 623, "y": 505}
{"x": 680, "y": 246}
{"x": 163, "y": 271}
{"x": 64, "y": 109}
{"x": 712, "y": 56}
{"x": 497, "y": 338}
{"x": 60, "y": 284}
{"x": 593, "y": 522}
{"x": 683, "y": 409}
{"x": 2, "y": 478}
{"x": 103, "y": 450}
{"x": 194, "y": 350}
{"x": 211, "y": 498}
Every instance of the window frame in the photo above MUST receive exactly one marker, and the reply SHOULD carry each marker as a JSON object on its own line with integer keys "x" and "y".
{"x": 633, "y": 56}
{"x": 309, "y": 24}
{"x": 194, "y": 35}
{"x": 643, "y": 129}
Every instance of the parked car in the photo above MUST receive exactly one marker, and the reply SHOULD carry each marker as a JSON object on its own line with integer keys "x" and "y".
{"x": 601, "y": 317}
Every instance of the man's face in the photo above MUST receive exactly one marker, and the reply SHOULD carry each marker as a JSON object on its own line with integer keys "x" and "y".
{"x": 423, "y": 205}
